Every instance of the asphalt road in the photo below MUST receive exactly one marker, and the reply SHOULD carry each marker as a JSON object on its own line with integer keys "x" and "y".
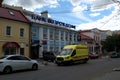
{"x": 94, "y": 70}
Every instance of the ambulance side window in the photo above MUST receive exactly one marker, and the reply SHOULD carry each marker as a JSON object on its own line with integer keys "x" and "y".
{"x": 73, "y": 53}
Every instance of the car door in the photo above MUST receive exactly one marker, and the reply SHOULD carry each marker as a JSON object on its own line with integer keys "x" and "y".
{"x": 26, "y": 62}
{"x": 15, "y": 62}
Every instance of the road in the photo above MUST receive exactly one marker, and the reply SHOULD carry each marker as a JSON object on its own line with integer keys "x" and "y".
{"x": 93, "y": 70}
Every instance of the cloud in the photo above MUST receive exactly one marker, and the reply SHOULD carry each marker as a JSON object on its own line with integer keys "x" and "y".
{"x": 96, "y": 5}
{"x": 78, "y": 13}
{"x": 110, "y": 22}
{"x": 32, "y": 4}
{"x": 94, "y": 14}
{"x": 79, "y": 8}
{"x": 101, "y": 3}
{"x": 75, "y": 2}
{"x": 78, "y": 2}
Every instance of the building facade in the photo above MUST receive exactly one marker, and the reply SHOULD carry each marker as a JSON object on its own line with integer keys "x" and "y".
{"x": 48, "y": 34}
{"x": 14, "y": 32}
{"x": 105, "y": 33}
{"x": 88, "y": 41}
{"x": 95, "y": 40}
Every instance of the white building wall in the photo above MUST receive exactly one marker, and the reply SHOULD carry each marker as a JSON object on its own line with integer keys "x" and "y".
{"x": 41, "y": 25}
{"x": 90, "y": 34}
{"x": 40, "y": 38}
{"x": 48, "y": 45}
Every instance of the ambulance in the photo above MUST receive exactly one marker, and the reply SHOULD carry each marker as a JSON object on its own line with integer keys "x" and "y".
{"x": 73, "y": 54}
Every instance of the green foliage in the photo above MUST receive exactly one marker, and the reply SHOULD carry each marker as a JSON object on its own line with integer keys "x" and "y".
{"x": 112, "y": 43}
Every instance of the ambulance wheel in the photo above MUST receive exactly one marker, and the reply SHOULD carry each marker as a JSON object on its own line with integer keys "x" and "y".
{"x": 59, "y": 64}
{"x": 71, "y": 62}
{"x": 85, "y": 60}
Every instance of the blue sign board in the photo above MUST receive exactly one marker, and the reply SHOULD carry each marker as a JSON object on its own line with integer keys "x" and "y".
{"x": 51, "y": 21}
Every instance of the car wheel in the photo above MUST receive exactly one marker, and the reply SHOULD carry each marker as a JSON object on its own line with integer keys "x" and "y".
{"x": 35, "y": 67}
{"x": 7, "y": 70}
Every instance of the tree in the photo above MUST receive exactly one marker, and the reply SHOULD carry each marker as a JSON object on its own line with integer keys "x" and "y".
{"x": 112, "y": 43}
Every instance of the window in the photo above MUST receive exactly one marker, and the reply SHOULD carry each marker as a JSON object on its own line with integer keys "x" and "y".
{"x": 21, "y": 32}
{"x": 21, "y": 51}
{"x": 22, "y": 58}
{"x": 45, "y": 35}
{"x": 56, "y": 34}
{"x": 11, "y": 13}
{"x": 10, "y": 50}
{"x": 66, "y": 51}
{"x": 51, "y": 34}
{"x": 44, "y": 47}
{"x": 73, "y": 53}
{"x": 8, "y": 30}
{"x": 51, "y": 48}
{"x": 75, "y": 37}
{"x": 17, "y": 58}
{"x": 13, "y": 58}
{"x": 35, "y": 32}
{"x": 66, "y": 36}
{"x": 70, "y": 36}
{"x": 62, "y": 36}
{"x": 51, "y": 45}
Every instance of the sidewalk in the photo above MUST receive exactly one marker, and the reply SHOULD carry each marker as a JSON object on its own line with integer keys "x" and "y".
{"x": 44, "y": 63}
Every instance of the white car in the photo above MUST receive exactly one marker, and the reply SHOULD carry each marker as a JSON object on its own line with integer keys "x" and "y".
{"x": 11, "y": 63}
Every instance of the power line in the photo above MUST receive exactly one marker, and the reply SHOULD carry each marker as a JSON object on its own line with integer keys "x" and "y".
{"x": 115, "y": 14}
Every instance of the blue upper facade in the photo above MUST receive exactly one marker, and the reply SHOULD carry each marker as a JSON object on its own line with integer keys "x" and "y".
{"x": 35, "y": 33}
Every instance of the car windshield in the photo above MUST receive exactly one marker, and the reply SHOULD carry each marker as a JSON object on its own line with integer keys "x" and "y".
{"x": 66, "y": 51}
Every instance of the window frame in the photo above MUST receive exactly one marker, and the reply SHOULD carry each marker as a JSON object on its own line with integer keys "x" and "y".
{"x": 10, "y": 31}
{"x": 45, "y": 33}
{"x": 22, "y": 51}
{"x": 22, "y": 34}
{"x": 73, "y": 53}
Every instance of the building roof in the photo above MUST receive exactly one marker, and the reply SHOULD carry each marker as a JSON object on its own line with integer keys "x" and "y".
{"x": 91, "y": 30}
{"x": 86, "y": 31}
{"x": 41, "y": 19}
{"x": 85, "y": 37}
{"x": 12, "y": 14}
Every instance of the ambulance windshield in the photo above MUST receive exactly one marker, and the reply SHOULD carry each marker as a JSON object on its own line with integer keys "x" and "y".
{"x": 66, "y": 51}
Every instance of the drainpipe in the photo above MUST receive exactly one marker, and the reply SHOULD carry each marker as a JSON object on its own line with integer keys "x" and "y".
{"x": 30, "y": 38}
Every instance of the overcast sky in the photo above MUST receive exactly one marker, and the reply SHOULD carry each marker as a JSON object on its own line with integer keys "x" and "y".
{"x": 85, "y": 14}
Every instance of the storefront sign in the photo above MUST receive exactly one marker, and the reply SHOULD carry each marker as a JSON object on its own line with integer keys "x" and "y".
{"x": 51, "y": 21}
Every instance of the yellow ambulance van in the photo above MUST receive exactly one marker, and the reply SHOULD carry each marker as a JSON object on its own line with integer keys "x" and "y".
{"x": 72, "y": 54}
